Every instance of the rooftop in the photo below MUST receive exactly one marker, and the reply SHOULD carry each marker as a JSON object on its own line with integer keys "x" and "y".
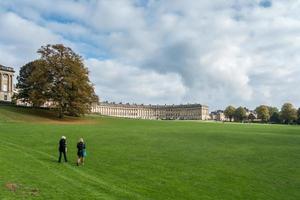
{"x": 9, "y": 69}
{"x": 150, "y": 106}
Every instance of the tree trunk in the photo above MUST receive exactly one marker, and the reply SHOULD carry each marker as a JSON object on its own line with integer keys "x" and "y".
{"x": 61, "y": 115}
{"x": 60, "y": 112}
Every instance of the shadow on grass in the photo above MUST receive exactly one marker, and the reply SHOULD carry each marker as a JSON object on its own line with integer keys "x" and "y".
{"x": 36, "y": 114}
{"x": 50, "y": 114}
{"x": 53, "y": 162}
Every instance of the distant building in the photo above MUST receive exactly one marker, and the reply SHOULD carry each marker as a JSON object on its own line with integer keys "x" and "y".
{"x": 180, "y": 112}
{"x": 218, "y": 116}
{"x": 248, "y": 112}
{"x": 6, "y": 83}
{"x": 251, "y": 113}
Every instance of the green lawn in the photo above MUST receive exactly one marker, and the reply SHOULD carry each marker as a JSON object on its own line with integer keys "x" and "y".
{"x": 141, "y": 159}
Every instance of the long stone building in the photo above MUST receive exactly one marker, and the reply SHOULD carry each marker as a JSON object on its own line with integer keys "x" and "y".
{"x": 6, "y": 83}
{"x": 180, "y": 112}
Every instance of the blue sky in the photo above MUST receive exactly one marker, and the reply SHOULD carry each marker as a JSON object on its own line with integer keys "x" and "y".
{"x": 221, "y": 52}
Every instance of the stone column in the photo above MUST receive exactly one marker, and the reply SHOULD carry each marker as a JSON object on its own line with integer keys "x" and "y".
{"x": 8, "y": 76}
{"x": 11, "y": 83}
{"x": 0, "y": 82}
{"x": 11, "y": 88}
{"x": 7, "y": 83}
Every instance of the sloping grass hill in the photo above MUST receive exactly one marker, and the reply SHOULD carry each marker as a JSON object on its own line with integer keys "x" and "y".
{"x": 31, "y": 115}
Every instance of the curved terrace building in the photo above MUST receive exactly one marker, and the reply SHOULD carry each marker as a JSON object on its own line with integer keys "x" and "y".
{"x": 180, "y": 112}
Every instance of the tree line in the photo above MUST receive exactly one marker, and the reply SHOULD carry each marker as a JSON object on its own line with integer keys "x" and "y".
{"x": 266, "y": 114}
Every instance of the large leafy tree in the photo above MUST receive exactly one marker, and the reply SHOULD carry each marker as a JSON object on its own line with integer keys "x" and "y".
{"x": 288, "y": 113}
{"x": 274, "y": 115}
{"x": 58, "y": 76}
{"x": 31, "y": 81}
{"x": 272, "y": 110}
{"x": 263, "y": 113}
{"x": 229, "y": 112}
{"x": 275, "y": 118}
{"x": 240, "y": 114}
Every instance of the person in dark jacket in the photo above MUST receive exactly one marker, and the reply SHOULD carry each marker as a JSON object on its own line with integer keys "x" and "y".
{"x": 80, "y": 152}
{"x": 62, "y": 148}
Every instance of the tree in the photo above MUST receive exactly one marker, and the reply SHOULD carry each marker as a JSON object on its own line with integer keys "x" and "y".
{"x": 288, "y": 113}
{"x": 60, "y": 77}
{"x": 30, "y": 82}
{"x": 275, "y": 118}
{"x": 240, "y": 114}
{"x": 272, "y": 110}
{"x": 229, "y": 112}
{"x": 263, "y": 113}
{"x": 298, "y": 116}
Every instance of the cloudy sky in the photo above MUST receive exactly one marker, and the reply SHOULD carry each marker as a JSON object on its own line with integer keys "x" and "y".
{"x": 219, "y": 52}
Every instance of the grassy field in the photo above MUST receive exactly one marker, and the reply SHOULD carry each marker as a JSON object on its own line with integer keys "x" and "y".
{"x": 141, "y": 159}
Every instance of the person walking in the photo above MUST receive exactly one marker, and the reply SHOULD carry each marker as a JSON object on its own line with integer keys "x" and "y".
{"x": 62, "y": 148}
{"x": 81, "y": 152}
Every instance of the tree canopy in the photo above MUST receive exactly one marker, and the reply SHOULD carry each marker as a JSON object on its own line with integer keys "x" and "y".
{"x": 263, "y": 113}
{"x": 288, "y": 113}
{"x": 240, "y": 114}
{"x": 229, "y": 112}
{"x": 272, "y": 110}
{"x": 60, "y": 77}
{"x": 298, "y": 116}
{"x": 275, "y": 118}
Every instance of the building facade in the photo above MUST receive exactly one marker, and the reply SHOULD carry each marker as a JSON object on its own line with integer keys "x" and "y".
{"x": 168, "y": 112}
{"x": 6, "y": 83}
{"x": 218, "y": 116}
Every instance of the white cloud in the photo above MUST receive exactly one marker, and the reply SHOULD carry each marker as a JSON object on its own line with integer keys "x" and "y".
{"x": 20, "y": 39}
{"x": 124, "y": 83}
{"x": 173, "y": 51}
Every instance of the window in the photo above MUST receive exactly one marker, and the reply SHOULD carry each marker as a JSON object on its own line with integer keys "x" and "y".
{"x": 5, "y": 97}
{"x": 5, "y": 88}
{"x": 5, "y": 80}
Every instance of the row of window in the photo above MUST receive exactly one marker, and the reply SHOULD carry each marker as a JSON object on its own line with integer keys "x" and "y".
{"x": 149, "y": 113}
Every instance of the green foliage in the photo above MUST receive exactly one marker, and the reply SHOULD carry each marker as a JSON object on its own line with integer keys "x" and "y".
{"x": 229, "y": 112}
{"x": 272, "y": 110}
{"x": 288, "y": 113}
{"x": 32, "y": 81}
{"x": 60, "y": 77}
{"x": 263, "y": 113}
{"x": 240, "y": 114}
{"x": 275, "y": 118}
{"x": 298, "y": 116}
{"x": 145, "y": 159}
